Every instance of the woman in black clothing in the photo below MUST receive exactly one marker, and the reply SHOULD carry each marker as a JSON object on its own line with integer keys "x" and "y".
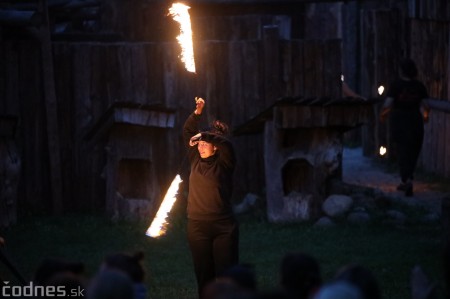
{"x": 212, "y": 230}
{"x": 405, "y": 100}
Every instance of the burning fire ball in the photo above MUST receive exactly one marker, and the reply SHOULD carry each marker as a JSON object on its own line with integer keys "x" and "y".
{"x": 157, "y": 227}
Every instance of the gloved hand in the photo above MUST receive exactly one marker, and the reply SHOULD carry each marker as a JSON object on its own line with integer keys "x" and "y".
{"x": 199, "y": 105}
{"x": 195, "y": 139}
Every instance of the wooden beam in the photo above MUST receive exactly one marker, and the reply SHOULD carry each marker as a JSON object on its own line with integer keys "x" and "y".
{"x": 51, "y": 109}
{"x": 437, "y": 104}
{"x": 19, "y": 17}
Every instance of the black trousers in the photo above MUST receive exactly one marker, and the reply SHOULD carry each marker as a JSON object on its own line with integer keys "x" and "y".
{"x": 407, "y": 133}
{"x": 214, "y": 247}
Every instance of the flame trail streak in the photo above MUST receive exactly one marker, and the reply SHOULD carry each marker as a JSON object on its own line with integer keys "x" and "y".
{"x": 180, "y": 13}
{"x": 157, "y": 229}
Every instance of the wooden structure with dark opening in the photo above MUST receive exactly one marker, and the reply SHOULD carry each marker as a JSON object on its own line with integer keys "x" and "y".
{"x": 303, "y": 144}
{"x": 131, "y": 132}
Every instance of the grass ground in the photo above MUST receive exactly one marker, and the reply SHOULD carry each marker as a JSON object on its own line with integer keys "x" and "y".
{"x": 388, "y": 251}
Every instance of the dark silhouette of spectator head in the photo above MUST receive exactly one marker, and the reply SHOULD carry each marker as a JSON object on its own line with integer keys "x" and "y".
{"x": 110, "y": 284}
{"x": 49, "y": 267}
{"x": 339, "y": 290}
{"x": 73, "y": 284}
{"x": 243, "y": 275}
{"x": 446, "y": 265}
{"x": 273, "y": 294}
{"x": 220, "y": 289}
{"x": 362, "y": 278}
{"x": 129, "y": 264}
{"x": 300, "y": 274}
{"x": 408, "y": 68}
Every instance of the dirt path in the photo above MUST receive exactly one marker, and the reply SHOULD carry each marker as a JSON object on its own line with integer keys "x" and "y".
{"x": 363, "y": 171}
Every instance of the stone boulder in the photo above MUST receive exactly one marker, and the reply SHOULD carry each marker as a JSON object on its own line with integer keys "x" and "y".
{"x": 337, "y": 205}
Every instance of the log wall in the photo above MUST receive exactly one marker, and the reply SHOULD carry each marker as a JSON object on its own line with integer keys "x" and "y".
{"x": 235, "y": 77}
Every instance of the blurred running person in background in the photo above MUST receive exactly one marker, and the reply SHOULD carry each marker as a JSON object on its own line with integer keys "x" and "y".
{"x": 408, "y": 112}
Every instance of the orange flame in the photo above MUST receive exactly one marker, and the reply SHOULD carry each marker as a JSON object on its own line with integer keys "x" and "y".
{"x": 180, "y": 13}
{"x": 383, "y": 150}
{"x": 157, "y": 229}
{"x": 380, "y": 89}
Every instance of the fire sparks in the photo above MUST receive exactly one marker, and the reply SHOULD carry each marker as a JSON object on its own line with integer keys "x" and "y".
{"x": 157, "y": 229}
{"x": 383, "y": 150}
{"x": 180, "y": 13}
{"x": 380, "y": 90}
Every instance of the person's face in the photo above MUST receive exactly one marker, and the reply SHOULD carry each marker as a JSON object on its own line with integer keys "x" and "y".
{"x": 206, "y": 149}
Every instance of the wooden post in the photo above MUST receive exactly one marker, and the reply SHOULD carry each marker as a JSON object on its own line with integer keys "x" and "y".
{"x": 51, "y": 109}
{"x": 272, "y": 74}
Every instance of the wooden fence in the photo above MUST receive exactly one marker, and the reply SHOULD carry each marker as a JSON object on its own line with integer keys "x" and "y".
{"x": 435, "y": 155}
{"x": 426, "y": 42}
{"x": 238, "y": 79}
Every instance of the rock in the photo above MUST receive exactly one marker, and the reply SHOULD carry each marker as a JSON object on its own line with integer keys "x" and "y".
{"x": 297, "y": 206}
{"x": 250, "y": 200}
{"x": 364, "y": 201}
{"x": 337, "y": 205}
{"x": 324, "y": 222}
{"x": 358, "y": 217}
{"x": 396, "y": 217}
{"x": 383, "y": 201}
{"x": 430, "y": 218}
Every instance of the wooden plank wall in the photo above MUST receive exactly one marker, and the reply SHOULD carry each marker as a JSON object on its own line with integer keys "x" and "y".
{"x": 427, "y": 42}
{"x": 232, "y": 76}
{"x": 380, "y": 56}
{"x": 430, "y": 49}
{"x": 435, "y": 155}
{"x": 433, "y": 62}
{"x": 438, "y": 10}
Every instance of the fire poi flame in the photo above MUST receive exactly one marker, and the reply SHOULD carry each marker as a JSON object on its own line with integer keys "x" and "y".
{"x": 180, "y": 13}
{"x": 380, "y": 90}
{"x": 383, "y": 150}
{"x": 157, "y": 228}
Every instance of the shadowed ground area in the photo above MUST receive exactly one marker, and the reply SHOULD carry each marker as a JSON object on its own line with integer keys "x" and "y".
{"x": 364, "y": 171}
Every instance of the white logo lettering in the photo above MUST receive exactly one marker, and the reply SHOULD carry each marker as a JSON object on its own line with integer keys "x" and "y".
{"x": 31, "y": 290}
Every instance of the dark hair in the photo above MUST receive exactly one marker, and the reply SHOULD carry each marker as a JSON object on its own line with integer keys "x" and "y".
{"x": 362, "y": 278}
{"x": 300, "y": 273}
{"x": 241, "y": 274}
{"x": 446, "y": 260}
{"x": 219, "y": 127}
{"x": 408, "y": 68}
{"x": 130, "y": 264}
{"x": 51, "y": 266}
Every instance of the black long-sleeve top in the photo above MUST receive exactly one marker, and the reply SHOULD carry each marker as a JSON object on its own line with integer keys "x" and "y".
{"x": 407, "y": 94}
{"x": 210, "y": 180}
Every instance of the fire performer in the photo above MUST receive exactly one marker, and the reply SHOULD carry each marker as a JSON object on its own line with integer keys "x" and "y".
{"x": 405, "y": 98}
{"x": 212, "y": 230}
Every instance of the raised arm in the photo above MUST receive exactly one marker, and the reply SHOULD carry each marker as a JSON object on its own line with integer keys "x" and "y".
{"x": 190, "y": 127}
{"x": 225, "y": 148}
{"x": 386, "y": 109}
